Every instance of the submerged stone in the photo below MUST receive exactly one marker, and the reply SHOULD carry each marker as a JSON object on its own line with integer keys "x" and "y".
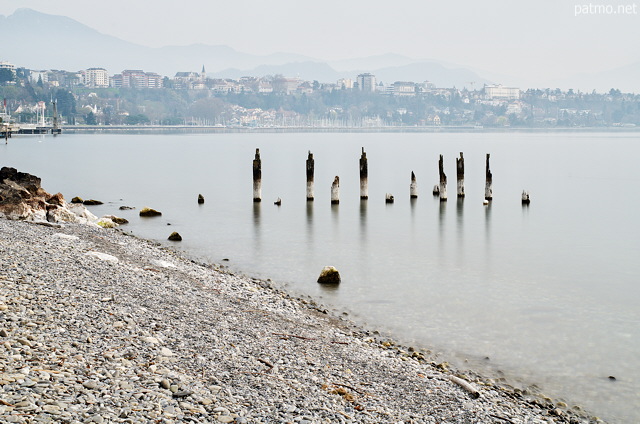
{"x": 329, "y": 275}
{"x": 149, "y": 212}
{"x": 175, "y": 236}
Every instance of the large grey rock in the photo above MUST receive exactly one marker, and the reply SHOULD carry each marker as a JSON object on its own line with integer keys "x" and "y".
{"x": 329, "y": 275}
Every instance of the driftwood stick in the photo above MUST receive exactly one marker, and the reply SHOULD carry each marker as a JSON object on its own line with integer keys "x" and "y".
{"x": 460, "y": 175}
{"x": 501, "y": 418}
{"x": 292, "y": 335}
{"x": 267, "y": 363}
{"x": 413, "y": 187}
{"x": 466, "y": 386}
{"x": 335, "y": 191}
{"x": 364, "y": 176}
{"x": 257, "y": 177}
{"x": 349, "y": 387}
{"x": 443, "y": 180}
{"x": 310, "y": 171}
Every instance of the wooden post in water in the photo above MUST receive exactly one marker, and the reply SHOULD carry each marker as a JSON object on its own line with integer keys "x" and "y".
{"x": 443, "y": 181}
{"x": 488, "y": 188}
{"x": 257, "y": 177}
{"x": 310, "y": 169}
{"x": 460, "y": 175}
{"x": 413, "y": 188}
{"x": 335, "y": 191}
{"x": 364, "y": 176}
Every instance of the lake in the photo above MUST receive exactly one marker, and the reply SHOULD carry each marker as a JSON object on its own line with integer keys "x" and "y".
{"x": 549, "y": 292}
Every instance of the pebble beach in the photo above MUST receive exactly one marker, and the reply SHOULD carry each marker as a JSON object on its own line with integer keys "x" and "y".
{"x": 99, "y": 326}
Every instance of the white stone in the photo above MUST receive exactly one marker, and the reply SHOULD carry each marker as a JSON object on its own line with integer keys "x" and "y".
{"x": 65, "y": 236}
{"x": 166, "y": 352}
{"x": 163, "y": 264}
{"x": 102, "y": 256}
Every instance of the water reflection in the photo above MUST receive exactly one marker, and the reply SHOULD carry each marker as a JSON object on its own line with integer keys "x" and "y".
{"x": 309, "y": 210}
{"x": 256, "y": 226}
{"x": 487, "y": 224}
{"x": 335, "y": 208}
{"x": 363, "y": 222}
{"x": 460, "y": 220}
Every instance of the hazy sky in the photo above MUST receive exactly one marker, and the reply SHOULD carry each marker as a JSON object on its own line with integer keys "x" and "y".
{"x": 539, "y": 39}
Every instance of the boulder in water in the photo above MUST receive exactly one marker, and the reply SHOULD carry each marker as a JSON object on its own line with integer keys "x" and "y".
{"x": 329, "y": 275}
{"x": 149, "y": 212}
{"x": 175, "y": 236}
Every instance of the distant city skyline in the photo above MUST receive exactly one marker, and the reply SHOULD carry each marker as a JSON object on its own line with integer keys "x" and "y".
{"x": 540, "y": 41}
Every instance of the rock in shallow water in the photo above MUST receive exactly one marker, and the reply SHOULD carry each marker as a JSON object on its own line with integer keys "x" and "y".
{"x": 329, "y": 275}
{"x": 149, "y": 212}
{"x": 175, "y": 236}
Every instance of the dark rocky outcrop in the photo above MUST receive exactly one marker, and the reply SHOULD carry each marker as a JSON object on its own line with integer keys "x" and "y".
{"x": 22, "y": 197}
{"x": 77, "y": 200}
{"x": 175, "y": 236}
{"x": 92, "y": 202}
{"x": 329, "y": 275}
{"x": 148, "y": 212}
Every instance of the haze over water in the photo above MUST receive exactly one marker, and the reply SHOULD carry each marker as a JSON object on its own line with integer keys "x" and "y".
{"x": 548, "y": 292}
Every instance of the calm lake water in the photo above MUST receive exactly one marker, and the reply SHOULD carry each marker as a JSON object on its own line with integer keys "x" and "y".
{"x": 550, "y": 292}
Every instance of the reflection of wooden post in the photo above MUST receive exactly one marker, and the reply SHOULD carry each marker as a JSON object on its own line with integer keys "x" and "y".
{"x": 443, "y": 180}
{"x": 413, "y": 188}
{"x": 335, "y": 191}
{"x": 257, "y": 177}
{"x": 460, "y": 175}
{"x": 364, "y": 176}
{"x": 488, "y": 188}
{"x": 310, "y": 169}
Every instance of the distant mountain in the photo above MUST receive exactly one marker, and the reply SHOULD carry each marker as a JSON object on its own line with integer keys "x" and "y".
{"x": 372, "y": 62}
{"x": 624, "y": 79}
{"x": 42, "y": 41}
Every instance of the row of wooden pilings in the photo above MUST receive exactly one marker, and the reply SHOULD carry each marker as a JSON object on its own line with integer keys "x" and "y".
{"x": 438, "y": 190}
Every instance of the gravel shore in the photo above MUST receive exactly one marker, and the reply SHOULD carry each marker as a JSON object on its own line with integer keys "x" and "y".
{"x": 99, "y": 326}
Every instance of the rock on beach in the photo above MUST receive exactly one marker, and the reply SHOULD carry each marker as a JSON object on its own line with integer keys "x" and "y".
{"x": 87, "y": 339}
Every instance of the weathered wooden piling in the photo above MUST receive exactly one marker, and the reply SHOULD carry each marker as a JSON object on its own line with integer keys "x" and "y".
{"x": 257, "y": 177}
{"x": 460, "y": 175}
{"x": 335, "y": 191}
{"x": 413, "y": 187}
{"x": 388, "y": 198}
{"x": 442, "y": 189}
{"x": 364, "y": 176}
{"x": 436, "y": 190}
{"x": 525, "y": 197}
{"x": 310, "y": 170}
{"x": 488, "y": 188}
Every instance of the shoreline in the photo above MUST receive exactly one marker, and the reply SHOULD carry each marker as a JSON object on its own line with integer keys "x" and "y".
{"x": 148, "y": 333}
{"x": 187, "y": 129}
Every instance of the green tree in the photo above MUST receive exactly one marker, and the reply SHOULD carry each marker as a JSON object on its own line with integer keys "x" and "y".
{"x": 66, "y": 102}
{"x": 6, "y": 75}
{"x": 90, "y": 119}
{"x": 137, "y": 119}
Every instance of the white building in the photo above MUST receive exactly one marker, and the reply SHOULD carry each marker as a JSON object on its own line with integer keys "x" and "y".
{"x": 7, "y": 65}
{"x": 492, "y": 92}
{"x": 367, "y": 82}
{"x": 345, "y": 84}
{"x": 96, "y": 77}
{"x": 35, "y": 76}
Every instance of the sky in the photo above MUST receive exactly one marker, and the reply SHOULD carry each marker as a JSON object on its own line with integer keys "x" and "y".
{"x": 536, "y": 40}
